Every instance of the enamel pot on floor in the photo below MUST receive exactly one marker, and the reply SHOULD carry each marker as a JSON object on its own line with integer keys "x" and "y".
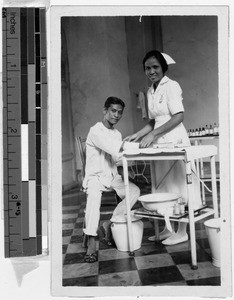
{"x": 213, "y": 232}
{"x": 120, "y": 234}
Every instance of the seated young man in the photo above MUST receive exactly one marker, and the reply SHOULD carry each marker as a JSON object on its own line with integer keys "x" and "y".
{"x": 103, "y": 151}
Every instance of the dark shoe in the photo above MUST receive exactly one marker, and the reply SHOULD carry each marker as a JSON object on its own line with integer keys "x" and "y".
{"x": 91, "y": 258}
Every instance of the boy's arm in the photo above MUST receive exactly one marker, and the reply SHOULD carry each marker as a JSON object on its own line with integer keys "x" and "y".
{"x": 111, "y": 146}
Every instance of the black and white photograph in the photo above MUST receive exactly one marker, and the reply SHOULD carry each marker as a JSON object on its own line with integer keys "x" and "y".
{"x": 116, "y": 152}
{"x": 143, "y": 134}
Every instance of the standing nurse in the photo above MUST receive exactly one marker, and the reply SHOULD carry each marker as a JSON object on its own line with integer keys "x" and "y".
{"x": 166, "y": 113}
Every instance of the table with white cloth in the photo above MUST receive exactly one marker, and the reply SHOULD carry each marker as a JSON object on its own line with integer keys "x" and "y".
{"x": 187, "y": 155}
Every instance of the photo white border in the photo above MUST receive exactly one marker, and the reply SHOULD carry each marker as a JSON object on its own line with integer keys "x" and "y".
{"x": 55, "y": 146}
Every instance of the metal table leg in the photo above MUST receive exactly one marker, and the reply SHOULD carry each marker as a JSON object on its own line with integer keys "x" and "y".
{"x": 128, "y": 207}
{"x": 191, "y": 216}
{"x": 214, "y": 186}
{"x": 153, "y": 190}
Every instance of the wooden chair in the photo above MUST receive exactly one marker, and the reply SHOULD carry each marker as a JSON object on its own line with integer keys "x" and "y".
{"x": 80, "y": 147}
{"x": 106, "y": 206}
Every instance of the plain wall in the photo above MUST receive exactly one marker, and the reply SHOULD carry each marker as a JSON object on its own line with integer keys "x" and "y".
{"x": 142, "y": 35}
{"x": 97, "y": 53}
{"x": 193, "y": 43}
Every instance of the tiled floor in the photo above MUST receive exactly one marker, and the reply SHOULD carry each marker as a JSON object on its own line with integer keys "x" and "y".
{"x": 153, "y": 264}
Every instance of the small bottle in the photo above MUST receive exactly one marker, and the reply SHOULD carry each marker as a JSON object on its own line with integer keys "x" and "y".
{"x": 200, "y": 131}
{"x": 207, "y": 130}
{"x": 203, "y": 131}
{"x": 196, "y": 132}
{"x": 211, "y": 130}
{"x": 189, "y": 133}
{"x": 182, "y": 208}
{"x": 215, "y": 129}
{"x": 176, "y": 209}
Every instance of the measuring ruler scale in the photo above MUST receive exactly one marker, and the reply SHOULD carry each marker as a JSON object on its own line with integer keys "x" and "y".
{"x": 24, "y": 130}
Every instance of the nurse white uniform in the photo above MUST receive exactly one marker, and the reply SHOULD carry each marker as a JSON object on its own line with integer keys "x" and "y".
{"x": 164, "y": 102}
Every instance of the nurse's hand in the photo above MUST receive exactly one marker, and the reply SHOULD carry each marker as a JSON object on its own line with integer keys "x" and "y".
{"x": 147, "y": 140}
{"x": 132, "y": 138}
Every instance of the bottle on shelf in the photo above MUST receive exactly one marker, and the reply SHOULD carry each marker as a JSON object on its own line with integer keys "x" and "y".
{"x": 200, "y": 131}
{"x": 189, "y": 133}
{"x": 193, "y": 132}
{"x": 203, "y": 131}
{"x": 211, "y": 130}
{"x": 215, "y": 128}
{"x": 181, "y": 206}
{"x": 176, "y": 208}
{"x": 207, "y": 130}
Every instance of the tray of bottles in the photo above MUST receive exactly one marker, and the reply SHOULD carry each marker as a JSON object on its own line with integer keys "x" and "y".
{"x": 207, "y": 131}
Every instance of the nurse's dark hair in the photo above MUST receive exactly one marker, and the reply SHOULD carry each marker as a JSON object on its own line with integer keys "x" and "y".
{"x": 113, "y": 100}
{"x": 158, "y": 55}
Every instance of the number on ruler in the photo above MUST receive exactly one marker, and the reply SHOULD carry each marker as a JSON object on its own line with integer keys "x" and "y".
{"x": 43, "y": 63}
{"x": 18, "y": 211}
{"x": 4, "y": 13}
{"x": 13, "y": 130}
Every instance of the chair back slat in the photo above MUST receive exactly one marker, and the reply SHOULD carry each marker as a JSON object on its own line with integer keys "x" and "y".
{"x": 80, "y": 143}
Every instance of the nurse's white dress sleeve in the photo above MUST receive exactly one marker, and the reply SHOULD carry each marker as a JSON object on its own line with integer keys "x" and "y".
{"x": 174, "y": 97}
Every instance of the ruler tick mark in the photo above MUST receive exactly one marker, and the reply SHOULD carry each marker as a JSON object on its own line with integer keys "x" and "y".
{"x": 16, "y": 21}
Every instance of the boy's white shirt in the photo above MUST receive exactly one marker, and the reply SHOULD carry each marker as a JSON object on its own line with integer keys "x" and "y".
{"x": 103, "y": 153}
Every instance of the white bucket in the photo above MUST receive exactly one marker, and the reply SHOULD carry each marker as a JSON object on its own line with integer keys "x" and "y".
{"x": 213, "y": 232}
{"x": 120, "y": 234}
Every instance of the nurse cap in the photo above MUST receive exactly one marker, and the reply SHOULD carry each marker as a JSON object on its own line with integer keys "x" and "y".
{"x": 168, "y": 59}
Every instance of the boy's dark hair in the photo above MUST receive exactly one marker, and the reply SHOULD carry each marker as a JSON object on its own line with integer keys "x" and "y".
{"x": 158, "y": 55}
{"x": 113, "y": 100}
